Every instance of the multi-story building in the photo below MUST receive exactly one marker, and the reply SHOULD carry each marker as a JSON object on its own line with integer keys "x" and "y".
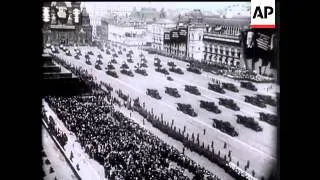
{"x": 175, "y": 41}
{"x": 63, "y": 22}
{"x": 157, "y": 32}
{"x": 222, "y": 40}
{"x": 195, "y": 41}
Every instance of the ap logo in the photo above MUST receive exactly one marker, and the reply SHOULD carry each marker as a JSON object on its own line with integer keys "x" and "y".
{"x": 262, "y": 14}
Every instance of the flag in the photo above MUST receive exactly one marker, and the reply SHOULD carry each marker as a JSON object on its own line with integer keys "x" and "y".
{"x": 219, "y": 28}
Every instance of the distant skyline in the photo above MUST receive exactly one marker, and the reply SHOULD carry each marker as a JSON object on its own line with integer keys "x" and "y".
{"x": 100, "y": 8}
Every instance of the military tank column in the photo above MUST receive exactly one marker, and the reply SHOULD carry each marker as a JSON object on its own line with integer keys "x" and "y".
{"x": 192, "y": 89}
{"x": 255, "y": 101}
{"x": 249, "y": 122}
{"x": 172, "y": 92}
{"x": 225, "y": 127}
{"x": 210, "y": 106}
{"x": 229, "y": 103}
{"x": 187, "y": 109}
{"x": 248, "y": 85}
{"x": 153, "y": 93}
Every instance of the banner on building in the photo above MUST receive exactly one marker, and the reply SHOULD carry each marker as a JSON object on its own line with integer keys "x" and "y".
{"x": 174, "y": 34}
{"x": 258, "y": 44}
{"x": 166, "y": 37}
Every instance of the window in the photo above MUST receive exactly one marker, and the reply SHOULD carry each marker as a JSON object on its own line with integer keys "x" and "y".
{"x": 199, "y": 48}
{"x": 199, "y": 37}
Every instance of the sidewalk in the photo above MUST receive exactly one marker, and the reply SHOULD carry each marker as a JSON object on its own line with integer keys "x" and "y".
{"x": 89, "y": 168}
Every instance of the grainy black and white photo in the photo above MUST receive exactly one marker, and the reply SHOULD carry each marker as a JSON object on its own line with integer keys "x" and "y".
{"x": 158, "y": 91}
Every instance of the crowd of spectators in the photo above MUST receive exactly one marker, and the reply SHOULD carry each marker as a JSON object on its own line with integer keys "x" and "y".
{"x": 126, "y": 150}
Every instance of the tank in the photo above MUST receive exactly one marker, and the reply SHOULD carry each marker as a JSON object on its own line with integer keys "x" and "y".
{"x": 268, "y": 118}
{"x": 143, "y": 65}
{"x": 230, "y": 87}
{"x": 209, "y": 106}
{"x": 255, "y": 101}
{"x": 192, "y": 89}
{"x": 124, "y": 66}
{"x": 169, "y": 78}
{"x": 229, "y": 103}
{"x": 88, "y": 62}
{"x": 144, "y": 60}
{"x": 97, "y": 66}
{"x": 225, "y": 127}
{"x": 141, "y": 71}
{"x": 110, "y": 67}
{"x": 172, "y": 92}
{"x": 153, "y": 93}
{"x": 162, "y": 70}
{"x": 114, "y": 61}
{"x": 77, "y": 56}
{"x": 90, "y": 53}
{"x": 176, "y": 70}
{"x": 248, "y": 85}
{"x": 267, "y": 99}
{"x": 99, "y": 62}
{"x": 68, "y": 53}
{"x": 171, "y": 63}
{"x": 112, "y": 73}
{"x": 216, "y": 88}
{"x": 129, "y": 60}
{"x": 194, "y": 70}
{"x": 127, "y": 72}
{"x": 249, "y": 122}
{"x": 187, "y": 109}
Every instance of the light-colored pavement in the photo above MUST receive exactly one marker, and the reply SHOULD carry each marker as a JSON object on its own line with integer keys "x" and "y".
{"x": 57, "y": 161}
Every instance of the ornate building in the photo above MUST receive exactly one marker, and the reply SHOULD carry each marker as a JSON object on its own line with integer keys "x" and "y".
{"x": 63, "y": 22}
{"x": 158, "y": 30}
{"x": 222, "y": 40}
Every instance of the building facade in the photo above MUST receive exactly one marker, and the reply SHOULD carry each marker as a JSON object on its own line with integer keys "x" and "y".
{"x": 222, "y": 40}
{"x": 158, "y": 29}
{"x": 63, "y": 22}
{"x": 175, "y": 41}
{"x": 195, "y": 41}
